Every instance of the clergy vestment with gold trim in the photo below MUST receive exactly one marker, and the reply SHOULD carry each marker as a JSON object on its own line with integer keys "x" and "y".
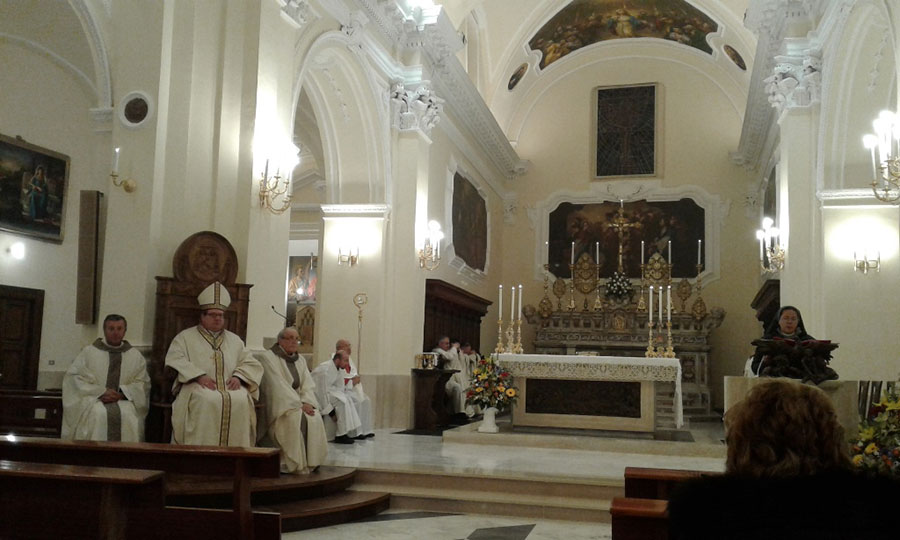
{"x": 213, "y": 417}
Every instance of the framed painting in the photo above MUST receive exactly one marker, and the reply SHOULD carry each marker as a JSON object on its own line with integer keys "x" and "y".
{"x": 469, "y": 223}
{"x": 587, "y": 228}
{"x": 301, "y": 285}
{"x": 625, "y": 131}
{"x": 33, "y": 184}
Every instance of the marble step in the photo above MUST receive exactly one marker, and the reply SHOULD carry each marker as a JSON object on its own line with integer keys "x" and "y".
{"x": 333, "y": 509}
{"x": 562, "y": 499}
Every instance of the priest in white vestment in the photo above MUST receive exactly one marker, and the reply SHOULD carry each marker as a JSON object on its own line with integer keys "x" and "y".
{"x": 290, "y": 419}
{"x": 106, "y": 390}
{"x": 218, "y": 379}
{"x": 334, "y": 399}
{"x": 449, "y": 358}
{"x": 355, "y": 390}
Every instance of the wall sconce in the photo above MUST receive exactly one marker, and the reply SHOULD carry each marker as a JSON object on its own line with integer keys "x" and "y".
{"x": 771, "y": 254}
{"x": 16, "y": 251}
{"x": 127, "y": 184}
{"x": 885, "y": 156}
{"x": 430, "y": 252}
{"x": 865, "y": 264}
{"x": 271, "y": 188}
{"x": 348, "y": 257}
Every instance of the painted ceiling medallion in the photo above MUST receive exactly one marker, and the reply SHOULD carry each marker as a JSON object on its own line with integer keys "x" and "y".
{"x": 586, "y": 22}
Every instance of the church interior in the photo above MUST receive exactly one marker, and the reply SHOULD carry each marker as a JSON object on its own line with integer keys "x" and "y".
{"x": 512, "y": 173}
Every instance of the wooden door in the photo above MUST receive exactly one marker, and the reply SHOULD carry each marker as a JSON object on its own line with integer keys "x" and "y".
{"x": 21, "y": 315}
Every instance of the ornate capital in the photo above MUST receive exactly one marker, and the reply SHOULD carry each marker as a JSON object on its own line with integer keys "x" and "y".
{"x": 796, "y": 81}
{"x": 297, "y": 12}
{"x": 418, "y": 109}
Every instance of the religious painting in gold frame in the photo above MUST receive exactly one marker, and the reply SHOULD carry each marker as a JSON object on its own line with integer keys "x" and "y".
{"x": 469, "y": 215}
{"x": 626, "y": 122}
{"x": 589, "y": 227}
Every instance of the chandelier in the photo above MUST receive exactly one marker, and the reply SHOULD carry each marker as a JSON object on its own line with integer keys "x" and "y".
{"x": 884, "y": 145}
{"x": 771, "y": 254}
{"x": 430, "y": 253}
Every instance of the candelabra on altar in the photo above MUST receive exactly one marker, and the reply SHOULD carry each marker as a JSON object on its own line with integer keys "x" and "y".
{"x": 510, "y": 337}
{"x": 499, "y": 348}
{"x": 651, "y": 350}
{"x": 669, "y": 352}
{"x": 571, "y": 305}
{"x": 516, "y": 348}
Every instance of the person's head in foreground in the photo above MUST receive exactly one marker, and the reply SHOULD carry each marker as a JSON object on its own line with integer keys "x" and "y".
{"x": 784, "y": 428}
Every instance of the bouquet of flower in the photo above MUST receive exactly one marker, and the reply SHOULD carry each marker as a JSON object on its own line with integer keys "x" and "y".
{"x": 877, "y": 448}
{"x": 491, "y": 386}
{"x": 618, "y": 286}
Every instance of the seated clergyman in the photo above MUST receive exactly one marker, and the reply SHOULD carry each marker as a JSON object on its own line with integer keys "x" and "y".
{"x": 290, "y": 419}
{"x": 106, "y": 389}
{"x": 449, "y": 358}
{"x": 354, "y": 389}
{"x": 334, "y": 398}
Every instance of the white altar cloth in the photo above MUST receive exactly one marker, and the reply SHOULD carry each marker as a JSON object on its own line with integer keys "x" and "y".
{"x": 598, "y": 368}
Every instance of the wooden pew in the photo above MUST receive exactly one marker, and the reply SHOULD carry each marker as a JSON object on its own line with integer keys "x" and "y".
{"x": 646, "y": 483}
{"x": 240, "y": 463}
{"x": 31, "y": 413}
{"x": 45, "y": 500}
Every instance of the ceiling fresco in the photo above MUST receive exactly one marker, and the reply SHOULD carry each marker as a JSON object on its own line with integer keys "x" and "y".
{"x": 586, "y": 22}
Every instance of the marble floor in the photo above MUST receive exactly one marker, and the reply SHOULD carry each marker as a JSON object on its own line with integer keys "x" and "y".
{"x": 391, "y": 451}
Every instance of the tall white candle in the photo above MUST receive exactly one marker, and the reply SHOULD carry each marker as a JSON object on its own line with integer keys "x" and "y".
{"x": 512, "y": 306}
{"x": 650, "y": 306}
{"x": 573, "y": 253}
{"x": 598, "y": 251}
{"x": 500, "y": 305}
{"x": 622, "y": 203}
{"x": 761, "y": 240}
{"x": 520, "y": 301}
{"x": 669, "y": 303}
{"x": 699, "y": 244}
{"x": 670, "y": 253}
{"x": 660, "y": 295}
{"x": 642, "y": 252}
{"x": 115, "y": 167}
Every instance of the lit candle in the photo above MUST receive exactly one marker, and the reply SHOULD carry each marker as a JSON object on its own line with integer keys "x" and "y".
{"x": 660, "y": 295}
{"x": 500, "y": 305}
{"x": 669, "y": 303}
{"x": 670, "y": 253}
{"x": 650, "y": 310}
{"x": 573, "y": 253}
{"x": 760, "y": 236}
{"x": 512, "y": 306}
{"x": 520, "y": 301}
{"x": 642, "y": 252}
{"x": 622, "y": 204}
{"x": 115, "y": 167}
{"x": 598, "y": 252}
{"x": 699, "y": 243}
{"x": 266, "y": 172}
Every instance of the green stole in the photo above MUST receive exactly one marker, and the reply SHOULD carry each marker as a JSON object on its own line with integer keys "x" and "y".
{"x": 113, "y": 374}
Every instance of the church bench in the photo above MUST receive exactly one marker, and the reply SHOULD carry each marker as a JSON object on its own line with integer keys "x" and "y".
{"x": 648, "y": 483}
{"x": 240, "y": 463}
{"x": 639, "y": 519}
{"x": 31, "y": 413}
{"x": 84, "y": 502}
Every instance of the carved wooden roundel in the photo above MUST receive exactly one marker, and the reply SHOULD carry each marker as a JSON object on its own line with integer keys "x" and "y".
{"x": 205, "y": 257}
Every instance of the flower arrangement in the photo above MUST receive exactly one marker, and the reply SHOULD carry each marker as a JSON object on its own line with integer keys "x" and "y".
{"x": 877, "y": 448}
{"x": 618, "y": 286}
{"x": 491, "y": 386}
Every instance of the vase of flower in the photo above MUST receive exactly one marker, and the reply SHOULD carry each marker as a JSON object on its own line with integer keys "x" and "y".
{"x": 489, "y": 423}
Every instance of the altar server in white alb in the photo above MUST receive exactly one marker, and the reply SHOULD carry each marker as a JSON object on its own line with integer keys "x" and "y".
{"x": 290, "y": 419}
{"x": 335, "y": 401}
{"x": 218, "y": 378}
{"x": 354, "y": 389}
{"x": 106, "y": 389}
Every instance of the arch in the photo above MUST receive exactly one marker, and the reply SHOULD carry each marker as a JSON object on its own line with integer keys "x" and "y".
{"x": 351, "y": 106}
{"x": 102, "y": 77}
{"x": 859, "y": 79}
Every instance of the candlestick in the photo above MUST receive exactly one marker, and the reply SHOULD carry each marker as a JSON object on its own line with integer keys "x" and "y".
{"x": 520, "y": 302}
{"x": 622, "y": 204}
{"x": 597, "y": 244}
{"x": 642, "y": 252}
{"x": 650, "y": 310}
{"x": 115, "y": 165}
{"x": 512, "y": 306}
{"x": 573, "y": 254}
{"x": 500, "y": 305}
{"x": 670, "y": 253}
{"x": 699, "y": 244}
{"x": 660, "y": 295}
{"x": 266, "y": 172}
{"x": 669, "y": 303}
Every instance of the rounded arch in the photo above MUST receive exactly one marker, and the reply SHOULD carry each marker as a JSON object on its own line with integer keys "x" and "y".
{"x": 351, "y": 106}
{"x": 94, "y": 36}
{"x": 859, "y": 79}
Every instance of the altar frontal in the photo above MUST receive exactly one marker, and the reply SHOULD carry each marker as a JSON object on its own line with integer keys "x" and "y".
{"x": 593, "y": 392}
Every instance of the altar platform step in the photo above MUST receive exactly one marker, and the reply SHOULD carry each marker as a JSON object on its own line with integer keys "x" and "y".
{"x": 304, "y": 501}
{"x": 537, "y": 498}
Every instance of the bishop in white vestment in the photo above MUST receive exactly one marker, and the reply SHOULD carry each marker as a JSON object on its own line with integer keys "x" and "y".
{"x": 290, "y": 419}
{"x": 218, "y": 379}
{"x": 106, "y": 390}
{"x": 333, "y": 397}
